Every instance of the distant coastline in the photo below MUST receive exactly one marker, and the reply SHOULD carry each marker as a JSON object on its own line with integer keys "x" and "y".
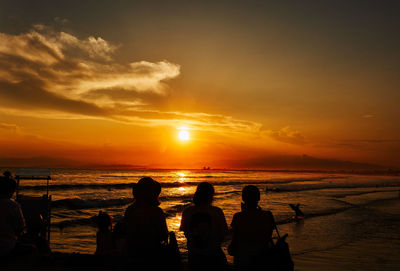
{"x": 371, "y": 172}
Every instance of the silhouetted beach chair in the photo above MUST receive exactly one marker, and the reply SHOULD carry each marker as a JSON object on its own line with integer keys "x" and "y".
{"x": 36, "y": 210}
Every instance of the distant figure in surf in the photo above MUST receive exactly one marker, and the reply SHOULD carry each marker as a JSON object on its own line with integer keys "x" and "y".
{"x": 298, "y": 212}
{"x": 205, "y": 228}
{"x": 146, "y": 227}
{"x": 251, "y": 232}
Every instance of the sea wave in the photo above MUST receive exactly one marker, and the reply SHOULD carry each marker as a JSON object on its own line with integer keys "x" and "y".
{"x": 111, "y": 186}
{"x": 328, "y": 186}
{"x": 178, "y": 208}
{"x": 77, "y": 203}
{"x": 90, "y": 221}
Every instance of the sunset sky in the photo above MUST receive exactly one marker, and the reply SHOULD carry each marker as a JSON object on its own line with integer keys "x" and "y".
{"x": 89, "y": 83}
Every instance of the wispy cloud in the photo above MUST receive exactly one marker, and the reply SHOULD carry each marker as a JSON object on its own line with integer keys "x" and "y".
{"x": 54, "y": 64}
{"x": 287, "y": 135}
{"x": 9, "y": 127}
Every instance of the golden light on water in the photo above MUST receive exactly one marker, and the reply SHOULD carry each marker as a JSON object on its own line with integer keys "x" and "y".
{"x": 175, "y": 222}
{"x": 181, "y": 177}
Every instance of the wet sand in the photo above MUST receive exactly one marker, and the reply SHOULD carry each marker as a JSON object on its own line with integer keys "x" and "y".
{"x": 376, "y": 248}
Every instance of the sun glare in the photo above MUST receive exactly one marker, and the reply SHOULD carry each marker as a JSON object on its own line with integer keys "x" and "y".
{"x": 184, "y": 135}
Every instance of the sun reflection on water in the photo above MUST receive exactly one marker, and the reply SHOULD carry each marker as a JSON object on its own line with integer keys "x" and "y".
{"x": 181, "y": 177}
{"x": 174, "y": 223}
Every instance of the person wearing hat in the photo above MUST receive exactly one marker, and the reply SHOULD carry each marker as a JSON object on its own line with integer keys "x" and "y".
{"x": 146, "y": 227}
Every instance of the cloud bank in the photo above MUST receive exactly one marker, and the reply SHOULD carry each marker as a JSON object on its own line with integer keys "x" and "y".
{"x": 49, "y": 70}
{"x": 54, "y": 74}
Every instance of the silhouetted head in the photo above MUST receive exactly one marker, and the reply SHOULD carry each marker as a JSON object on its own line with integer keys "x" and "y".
{"x": 104, "y": 221}
{"x": 147, "y": 191}
{"x": 7, "y": 174}
{"x": 251, "y": 196}
{"x": 7, "y": 187}
{"x": 204, "y": 194}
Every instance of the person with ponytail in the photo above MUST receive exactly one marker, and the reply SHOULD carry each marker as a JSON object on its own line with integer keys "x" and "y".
{"x": 251, "y": 232}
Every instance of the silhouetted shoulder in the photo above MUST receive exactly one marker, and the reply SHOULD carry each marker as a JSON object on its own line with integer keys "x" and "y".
{"x": 146, "y": 210}
{"x": 264, "y": 217}
{"x": 158, "y": 211}
{"x": 215, "y": 212}
{"x": 186, "y": 214}
{"x": 266, "y": 213}
{"x": 129, "y": 209}
{"x": 217, "y": 209}
{"x": 189, "y": 209}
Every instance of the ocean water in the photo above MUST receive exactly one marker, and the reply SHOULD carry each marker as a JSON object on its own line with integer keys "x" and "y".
{"x": 340, "y": 209}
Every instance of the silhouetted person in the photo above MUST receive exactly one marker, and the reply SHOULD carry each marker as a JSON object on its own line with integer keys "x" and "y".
{"x": 251, "y": 232}
{"x": 11, "y": 219}
{"x": 119, "y": 235}
{"x": 104, "y": 237}
{"x": 298, "y": 213}
{"x": 205, "y": 228}
{"x": 34, "y": 227}
{"x": 7, "y": 174}
{"x": 146, "y": 227}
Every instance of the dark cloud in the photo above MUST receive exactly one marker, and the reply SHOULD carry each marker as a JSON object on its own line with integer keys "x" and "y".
{"x": 48, "y": 70}
{"x": 29, "y": 94}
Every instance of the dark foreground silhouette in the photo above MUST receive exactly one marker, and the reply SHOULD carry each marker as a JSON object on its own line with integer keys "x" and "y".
{"x": 205, "y": 228}
{"x": 141, "y": 241}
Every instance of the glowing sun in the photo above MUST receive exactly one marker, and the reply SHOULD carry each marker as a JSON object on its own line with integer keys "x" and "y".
{"x": 184, "y": 135}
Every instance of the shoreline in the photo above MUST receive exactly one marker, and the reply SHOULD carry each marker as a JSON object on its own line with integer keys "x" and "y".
{"x": 377, "y": 249}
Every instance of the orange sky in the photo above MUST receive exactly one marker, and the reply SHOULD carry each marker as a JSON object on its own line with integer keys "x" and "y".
{"x": 111, "y": 83}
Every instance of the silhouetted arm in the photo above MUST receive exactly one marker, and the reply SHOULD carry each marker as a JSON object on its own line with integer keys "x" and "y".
{"x": 184, "y": 223}
{"x": 232, "y": 246}
{"x": 19, "y": 220}
{"x": 223, "y": 226}
{"x": 163, "y": 228}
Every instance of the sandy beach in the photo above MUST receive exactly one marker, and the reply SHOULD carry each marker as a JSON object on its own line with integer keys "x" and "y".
{"x": 376, "y": 244}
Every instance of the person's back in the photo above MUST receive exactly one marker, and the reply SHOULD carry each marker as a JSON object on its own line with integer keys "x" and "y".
{"x": 146, "y": 227}
{"x": 205, "y": 228}
{"x": 12, "y": 221}
{"x": 105, "y": 244}
{"x": 251, "y": 232}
